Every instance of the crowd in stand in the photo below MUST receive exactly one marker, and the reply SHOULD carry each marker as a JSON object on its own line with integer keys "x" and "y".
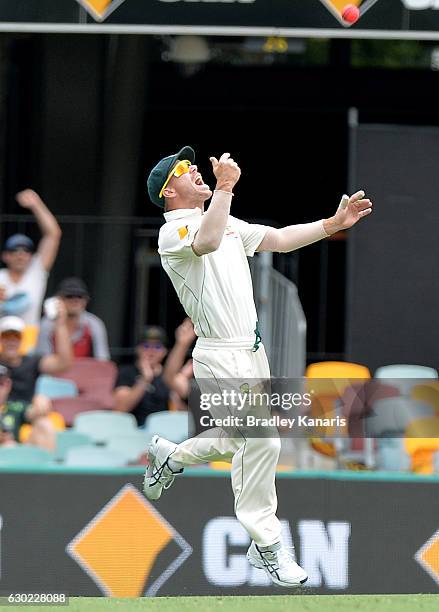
{"x": 58, "y": 337}
{"x": 47, "y": 337}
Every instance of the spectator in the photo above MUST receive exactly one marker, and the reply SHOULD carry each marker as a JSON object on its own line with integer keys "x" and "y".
{"x": 178, "y": 372}
{"x": 13, "y": 414}
{"x": 26, "y": 369}
{"x": 87, "y": 332}
{"x": 23, "y": 282}
{"x": 139, "y": 387}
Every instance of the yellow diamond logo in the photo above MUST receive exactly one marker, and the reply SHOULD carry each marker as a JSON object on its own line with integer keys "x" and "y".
{"x": 336, "y": 7}
{"x": 100, "y": 9}
{"x": 428, "y": 556}
{"x": 120, "y": 547}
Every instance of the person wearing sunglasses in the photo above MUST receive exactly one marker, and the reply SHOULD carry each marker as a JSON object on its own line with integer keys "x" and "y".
{"x": 140, "y": 388}
{"x": 205, "y": 256}
{"x": 88, "y": 333}
{"x": 23, "y": 281}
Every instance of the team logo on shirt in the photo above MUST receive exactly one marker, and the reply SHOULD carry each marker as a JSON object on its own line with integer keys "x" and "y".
{"x": 100, "y": 9}
{"x": 129, "y": 549}
{"x": 183, "y": 231}
{"x": 229, "y": 231}
{"x": 336, "y": 7}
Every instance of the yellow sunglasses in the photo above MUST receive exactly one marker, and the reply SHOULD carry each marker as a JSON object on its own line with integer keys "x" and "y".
{"x": 180, "y": 168}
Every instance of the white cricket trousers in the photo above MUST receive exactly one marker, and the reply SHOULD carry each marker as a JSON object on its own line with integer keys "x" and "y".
{"x": 253, "y": 459}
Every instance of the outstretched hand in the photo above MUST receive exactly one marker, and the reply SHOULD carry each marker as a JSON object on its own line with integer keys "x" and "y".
{"x": 349, "y": 212}
{"x": 226, "y": 171}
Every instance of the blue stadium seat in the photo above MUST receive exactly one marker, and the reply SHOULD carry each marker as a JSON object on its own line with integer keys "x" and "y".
{"x": 55, "y": 387}
{"x": 174, "y": 426}
{"x": 405, "y": 376}
{"x": 391, "y": 455}
{"x": 392, "y": 415}
{"x": 103, "y": 425}
{"x": 93, "y": 456}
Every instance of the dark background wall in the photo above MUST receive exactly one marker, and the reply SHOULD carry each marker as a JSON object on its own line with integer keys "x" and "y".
{"x": 86, "y": 117}
{"x": 393, "y": 281}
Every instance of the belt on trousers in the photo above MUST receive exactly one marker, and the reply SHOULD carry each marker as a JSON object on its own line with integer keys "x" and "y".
{"x": 246, "y": 343}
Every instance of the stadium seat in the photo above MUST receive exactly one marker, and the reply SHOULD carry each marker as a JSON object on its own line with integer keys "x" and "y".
{"x": 56, "y": 419}
{"x": 94, "y": 379}
{"x": 174, "y": 426}
{"x": 54, "y": 387}
{"x": 327, "y": 381}
{"x": 332, "y": 377}
{"x": 29, "y": 339}
{"x": 93, "y": 456}
{"x": 422, "y": 442}
{"x": 405, "y": 376}
{"x": 70, "y": 407}
{"x": 65, "y": 440}
{"x": 102, "y": 425}
{"x": 357, "y": 401}
{"x": 24, "y": 454}
{"x": 131, "y": 445}
{"x": 427, "y": 392}
{"x": 391, "y": 455}
{"x": 391, "y": 416}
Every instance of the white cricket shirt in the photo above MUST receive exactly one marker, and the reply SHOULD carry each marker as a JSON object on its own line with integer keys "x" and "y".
{"x": 215, "y": 290}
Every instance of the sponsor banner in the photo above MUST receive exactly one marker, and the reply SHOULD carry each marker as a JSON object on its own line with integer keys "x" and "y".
{"x": 89, "y": 534}
{"x": 295, "y": 15}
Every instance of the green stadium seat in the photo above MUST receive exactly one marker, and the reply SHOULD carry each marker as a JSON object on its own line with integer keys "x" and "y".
{"x": 65, "y": 440}
{"x": 131, "y": 445}
{"x": 24, "y": 454}
{"x": 174, "y": 426}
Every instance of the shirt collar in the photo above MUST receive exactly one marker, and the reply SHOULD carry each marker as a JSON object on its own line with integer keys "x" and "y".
{"x": 180, "y": 213}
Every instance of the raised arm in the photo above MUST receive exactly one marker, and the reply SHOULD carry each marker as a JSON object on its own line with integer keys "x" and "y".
{"x": 286, "y": 239}
{"x": 214, "y": 221}
{"x": 184, "y": 337}
{"x": 62, "y": 357}
{"x": 51, "y": 231}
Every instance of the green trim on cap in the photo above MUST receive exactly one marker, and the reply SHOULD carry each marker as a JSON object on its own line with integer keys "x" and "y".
{"x": 160, "y": 173}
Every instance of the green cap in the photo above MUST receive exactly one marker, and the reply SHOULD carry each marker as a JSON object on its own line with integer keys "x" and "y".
{"x": 160, "y": 173}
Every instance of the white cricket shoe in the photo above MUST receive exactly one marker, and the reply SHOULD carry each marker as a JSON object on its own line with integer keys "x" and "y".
{"x": 278, "y": 564}
{"x": 159, "y": 475}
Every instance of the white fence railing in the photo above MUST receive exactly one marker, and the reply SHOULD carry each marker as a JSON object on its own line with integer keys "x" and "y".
{"x": 281, "y": 318}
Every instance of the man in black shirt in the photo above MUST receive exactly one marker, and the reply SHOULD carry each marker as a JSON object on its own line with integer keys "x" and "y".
{"x": 25, "y": 369}
{"x": 139, "y": 387}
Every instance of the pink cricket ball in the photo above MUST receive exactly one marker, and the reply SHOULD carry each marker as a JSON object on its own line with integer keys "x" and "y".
{"x": 351, "y": 13}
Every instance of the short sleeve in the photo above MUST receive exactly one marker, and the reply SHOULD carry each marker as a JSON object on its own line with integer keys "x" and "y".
{"x": 252, "y": 234}
{"x": 177, "y": 238}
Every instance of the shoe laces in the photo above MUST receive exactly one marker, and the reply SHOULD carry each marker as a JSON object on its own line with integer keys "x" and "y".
{"x": 162, "y": 475}
{"x": 273, "y": 558}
